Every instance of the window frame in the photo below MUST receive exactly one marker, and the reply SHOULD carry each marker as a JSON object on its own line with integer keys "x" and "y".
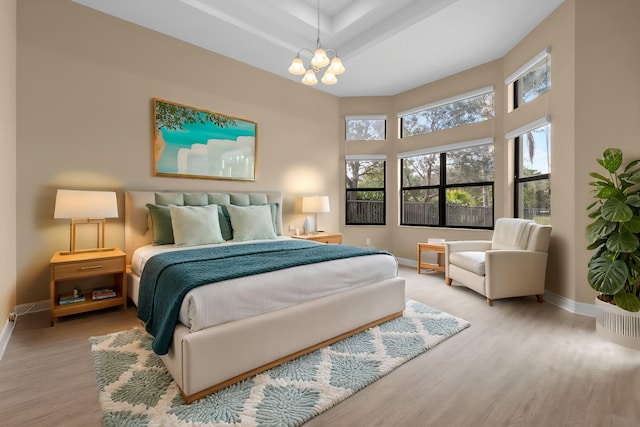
{"x": 513, "y": 80}
{"x": 369, "y": 158}
{"x": 442, "y": 187}
{"x": 516, "y": 136}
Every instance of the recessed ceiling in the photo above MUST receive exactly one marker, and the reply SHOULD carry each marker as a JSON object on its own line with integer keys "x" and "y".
{"x": 387, "y": 46}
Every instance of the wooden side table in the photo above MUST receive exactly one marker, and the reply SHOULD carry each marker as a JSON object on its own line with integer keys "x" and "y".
{"x": 81, "y": 266}
{"x": 431, "y": 247}
{"x": 322, "y": 237}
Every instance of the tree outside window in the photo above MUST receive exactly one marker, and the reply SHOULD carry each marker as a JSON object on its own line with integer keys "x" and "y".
{"x": 460, "y": 194}
{"x": 533, "y": 83}
{"x": 465, "y": 111}
{"x": 365, "y": 192}
{"x": 366, "y": 129}
{"x": 533, "y": 172}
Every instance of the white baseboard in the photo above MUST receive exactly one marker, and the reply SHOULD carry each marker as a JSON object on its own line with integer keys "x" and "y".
{"x": 571, "y": 306}
{"x": 5, "y": 335}
{"x": 408, "y": 262}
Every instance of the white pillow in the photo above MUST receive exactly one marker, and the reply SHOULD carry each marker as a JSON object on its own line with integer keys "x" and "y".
{"x": 195, "y": 225}
{"x": 251, "y": 222}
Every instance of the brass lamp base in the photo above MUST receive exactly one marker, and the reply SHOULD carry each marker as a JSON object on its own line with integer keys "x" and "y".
{"x": 99, "y": 222}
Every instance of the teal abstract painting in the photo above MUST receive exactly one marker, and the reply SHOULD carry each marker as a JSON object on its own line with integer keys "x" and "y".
{"x": 195, "y": 143}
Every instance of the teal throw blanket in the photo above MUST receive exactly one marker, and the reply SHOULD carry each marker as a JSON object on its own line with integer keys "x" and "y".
{"x": 167, "y": 277}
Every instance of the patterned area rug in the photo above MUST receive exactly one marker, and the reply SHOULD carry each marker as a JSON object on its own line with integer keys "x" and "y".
{"x": 135, "y": 388}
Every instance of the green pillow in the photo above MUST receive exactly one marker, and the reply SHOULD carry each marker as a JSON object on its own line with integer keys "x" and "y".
{"x": 251, "y": 222}
{"x": 274, "y": 216}
{"x": 225, "y": 223}
{"x": 161, "y": 224}
{"x": 195, "y": 225}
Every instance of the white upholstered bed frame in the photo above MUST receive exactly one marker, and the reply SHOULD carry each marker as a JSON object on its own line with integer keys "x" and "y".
{"x": 205, "y": 361}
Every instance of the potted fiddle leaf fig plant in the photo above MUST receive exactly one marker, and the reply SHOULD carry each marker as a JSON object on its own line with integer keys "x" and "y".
{"x": 614, "y": 234}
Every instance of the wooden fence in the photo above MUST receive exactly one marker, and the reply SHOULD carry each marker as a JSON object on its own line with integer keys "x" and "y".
{"x": 372, "y": 212}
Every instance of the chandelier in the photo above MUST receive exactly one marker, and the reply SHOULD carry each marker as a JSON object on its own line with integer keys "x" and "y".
{"x": 320, "y": 60}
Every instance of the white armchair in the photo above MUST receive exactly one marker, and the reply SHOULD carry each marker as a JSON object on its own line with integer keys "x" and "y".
{"x": 512, "y": 264}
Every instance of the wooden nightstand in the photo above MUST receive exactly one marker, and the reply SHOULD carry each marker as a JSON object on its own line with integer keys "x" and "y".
{"x": 81, "y": 266}
{"x": 322, "y": 237}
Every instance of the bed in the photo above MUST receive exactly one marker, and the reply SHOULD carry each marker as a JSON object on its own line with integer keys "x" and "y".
{"x": 211, "y": 348}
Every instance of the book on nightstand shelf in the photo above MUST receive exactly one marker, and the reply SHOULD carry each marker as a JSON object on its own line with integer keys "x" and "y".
{"x": 71, "y": 299}
{"x": 99, "y": 294}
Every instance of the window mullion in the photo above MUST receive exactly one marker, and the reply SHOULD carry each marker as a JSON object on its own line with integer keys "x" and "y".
{"x": 516, "y": 180}
{"x": 534, "y": 178}
{"x": 442, "y": 191}
{"x": 384, "y": 192}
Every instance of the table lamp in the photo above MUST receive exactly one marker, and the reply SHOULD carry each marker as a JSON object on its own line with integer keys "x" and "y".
{"x": 314, "y": 205}
{"x": 86, "y": 207}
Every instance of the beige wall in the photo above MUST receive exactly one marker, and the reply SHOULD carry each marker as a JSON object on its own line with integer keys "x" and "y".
{"x": 379, "y": 236}
{"x": 607, "y": 103}
{"x": 84, "y": 121}
{"x": 8, "y": 156}
{"x": 85, "y": 85}
{"x": 556, "y": 32}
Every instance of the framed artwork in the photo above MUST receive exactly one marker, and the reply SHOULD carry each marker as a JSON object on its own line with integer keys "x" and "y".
{"x": 194, "y": 143}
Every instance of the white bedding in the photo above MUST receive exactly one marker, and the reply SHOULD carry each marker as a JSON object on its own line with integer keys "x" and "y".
{"x": 239, "y": 298}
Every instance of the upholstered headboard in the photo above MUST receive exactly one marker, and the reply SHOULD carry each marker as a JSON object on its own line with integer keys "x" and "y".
{"x": 136, "y": 222}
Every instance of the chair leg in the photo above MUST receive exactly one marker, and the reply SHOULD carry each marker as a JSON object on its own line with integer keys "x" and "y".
{"x": 540, "y": 299}
{"x": 447, "y": 281}
{"x": 489, "y": 302}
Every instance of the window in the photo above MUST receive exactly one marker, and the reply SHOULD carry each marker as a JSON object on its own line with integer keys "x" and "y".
{"x": 366, "y": 128}
{"x": 532, "y": 198}
{"x": 533, "y": 84}
{"x": 365, "y": 192}
{"x": 450, "y": 186}
{"x": 467, "y": 108}
{"x": 530, "y": 81}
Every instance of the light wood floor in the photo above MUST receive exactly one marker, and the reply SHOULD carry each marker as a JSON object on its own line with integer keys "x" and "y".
{"x": 520, "y": 363}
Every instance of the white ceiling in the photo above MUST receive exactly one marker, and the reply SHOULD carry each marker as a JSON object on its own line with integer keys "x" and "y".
{"x": 387, "y": 46}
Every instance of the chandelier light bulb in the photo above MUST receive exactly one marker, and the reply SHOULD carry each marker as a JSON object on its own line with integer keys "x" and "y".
{"x": 297, "y": 67}
{"x": 309, "y": 78}
{"x": 320, "y": 58}
{"x": 329, "y": 78}
{"x": 336, "y": 66}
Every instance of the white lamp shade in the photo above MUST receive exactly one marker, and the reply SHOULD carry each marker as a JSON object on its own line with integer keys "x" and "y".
{"x": 329, "y": 78}
{"x": 315, "y": 204}
{"x": 320, "y": 58}
{"x": 309, "y": 78}
{"x": 86, "y": 204}
{"x": 336, "y": 66}
{"x": 297, "y": 67}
